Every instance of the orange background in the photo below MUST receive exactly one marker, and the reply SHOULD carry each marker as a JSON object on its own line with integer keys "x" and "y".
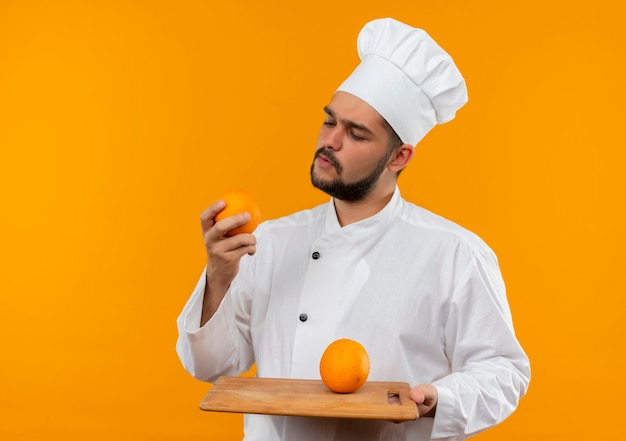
{"x": 120, "y": 121}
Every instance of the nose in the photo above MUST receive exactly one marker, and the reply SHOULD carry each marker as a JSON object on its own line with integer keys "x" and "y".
{"x": 330, "y": 137}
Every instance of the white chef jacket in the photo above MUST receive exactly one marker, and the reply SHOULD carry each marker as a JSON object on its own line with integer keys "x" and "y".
{"x": 424, "y": 296}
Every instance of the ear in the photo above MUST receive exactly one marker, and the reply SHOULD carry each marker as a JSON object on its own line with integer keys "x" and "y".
{"x": 401, "y": 157}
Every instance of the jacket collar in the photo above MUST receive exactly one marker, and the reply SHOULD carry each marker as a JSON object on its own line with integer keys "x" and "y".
{"x": 366, "y": 227}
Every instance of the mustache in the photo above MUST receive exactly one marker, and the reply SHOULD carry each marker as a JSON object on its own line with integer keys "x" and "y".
{"x": 328, "y": 154}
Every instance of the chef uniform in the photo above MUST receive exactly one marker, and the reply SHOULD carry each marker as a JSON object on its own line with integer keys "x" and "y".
{"x": 424, "y": 296}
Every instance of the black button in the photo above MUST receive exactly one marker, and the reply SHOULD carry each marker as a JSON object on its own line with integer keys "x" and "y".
{"x": 303, "y": 317}
{"x": 315, "y": 255}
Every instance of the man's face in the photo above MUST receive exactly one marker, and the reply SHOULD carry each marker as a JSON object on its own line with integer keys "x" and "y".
{"x": 352, "y": 149}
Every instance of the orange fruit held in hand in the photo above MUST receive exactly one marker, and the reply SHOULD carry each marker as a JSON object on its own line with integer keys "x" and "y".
{"x": 239, "y": 201}
{"x": 344, "y": 366}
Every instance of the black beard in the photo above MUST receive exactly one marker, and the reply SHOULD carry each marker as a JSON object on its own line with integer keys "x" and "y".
{"x": 348, "y": 192}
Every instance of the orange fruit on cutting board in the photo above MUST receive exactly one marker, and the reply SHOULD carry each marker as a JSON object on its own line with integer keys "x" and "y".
{"x": 240, "y": 201}
{"x": 344, "y": 366}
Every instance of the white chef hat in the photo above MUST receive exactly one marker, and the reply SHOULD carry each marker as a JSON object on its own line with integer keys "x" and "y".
{"x": 406, "y": 77}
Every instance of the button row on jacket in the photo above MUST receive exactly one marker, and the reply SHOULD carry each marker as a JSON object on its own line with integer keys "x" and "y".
{"x": 303, "y": 317}
{"x": 315, "y": 255}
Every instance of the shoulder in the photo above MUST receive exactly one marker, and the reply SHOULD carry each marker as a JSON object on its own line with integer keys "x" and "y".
{"x": 420, "y": 220}
{"x": 293, "y": 222}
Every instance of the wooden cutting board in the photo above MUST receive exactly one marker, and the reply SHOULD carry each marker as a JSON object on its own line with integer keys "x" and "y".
{"x": 292, "y": 397}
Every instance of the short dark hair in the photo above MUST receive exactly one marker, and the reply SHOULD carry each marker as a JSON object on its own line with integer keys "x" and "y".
{"x": 394, "y": 140}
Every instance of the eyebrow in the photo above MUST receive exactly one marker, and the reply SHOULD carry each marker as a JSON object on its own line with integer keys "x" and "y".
{"x": 348, "y": 122}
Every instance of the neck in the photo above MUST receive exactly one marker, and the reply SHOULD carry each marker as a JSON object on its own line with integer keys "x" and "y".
{"x": 351, "y": 212}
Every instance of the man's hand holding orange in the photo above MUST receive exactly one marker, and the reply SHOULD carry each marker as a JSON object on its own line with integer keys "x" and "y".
{"x": 226, "y": 227}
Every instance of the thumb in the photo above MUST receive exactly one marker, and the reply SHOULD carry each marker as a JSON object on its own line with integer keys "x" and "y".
{"x": 417, "y": 395}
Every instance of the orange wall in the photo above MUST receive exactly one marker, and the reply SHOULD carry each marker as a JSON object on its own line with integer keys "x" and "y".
{"x": 120, "y": 121}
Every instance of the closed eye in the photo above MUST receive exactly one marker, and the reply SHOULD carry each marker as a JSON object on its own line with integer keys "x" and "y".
{"x": 331, "y": 121}
{"x": 357, "y": 137}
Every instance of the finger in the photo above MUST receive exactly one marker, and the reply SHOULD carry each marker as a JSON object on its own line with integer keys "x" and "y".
{"x": 238, "y": 253}
{"x": 228, "y": 253}
{"x": 207, "y": 216}
{"x": 425, "y": 397}
{"x": 231, "y": 247}
{"x": 426, "y": 411}
{"x": 238, "y": 241}
{"x": 417, "y": 395}
{"x": 223, "y": 226}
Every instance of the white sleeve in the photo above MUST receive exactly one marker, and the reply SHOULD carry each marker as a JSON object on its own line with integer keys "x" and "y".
{"x": 212, "y": 350}
{"x": 490, "y": 371}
